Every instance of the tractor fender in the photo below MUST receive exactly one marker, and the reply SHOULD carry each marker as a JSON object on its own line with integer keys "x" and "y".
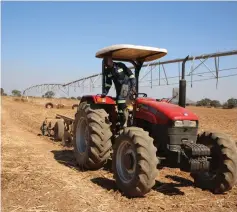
{"x": 96, "y": 99}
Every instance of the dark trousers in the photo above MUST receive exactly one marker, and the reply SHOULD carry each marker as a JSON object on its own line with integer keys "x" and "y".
{"x": 122, "y": 94}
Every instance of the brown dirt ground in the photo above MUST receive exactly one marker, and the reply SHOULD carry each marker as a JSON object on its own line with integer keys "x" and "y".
{"x": 39, "y": 174}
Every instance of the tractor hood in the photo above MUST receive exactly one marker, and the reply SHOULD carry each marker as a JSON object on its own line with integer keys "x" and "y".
{"x": 171, "y": 111}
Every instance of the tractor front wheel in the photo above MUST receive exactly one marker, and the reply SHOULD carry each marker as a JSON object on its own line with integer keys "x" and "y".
{"x": 91, "y": 137}
{"x": 223, "y": 165}
{"x": 134, "y": 162}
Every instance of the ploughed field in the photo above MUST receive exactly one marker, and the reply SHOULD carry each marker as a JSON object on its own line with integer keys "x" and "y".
{"x": 39, "y": 174}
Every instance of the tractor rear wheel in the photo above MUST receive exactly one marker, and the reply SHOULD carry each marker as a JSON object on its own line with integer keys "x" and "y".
{"x": 223, "y": 165}
{"x": 134, "y": 162}
{"x": 91, "y": 137}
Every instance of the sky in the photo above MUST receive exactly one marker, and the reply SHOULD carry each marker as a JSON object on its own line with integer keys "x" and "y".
{"x": 56, "y": 42}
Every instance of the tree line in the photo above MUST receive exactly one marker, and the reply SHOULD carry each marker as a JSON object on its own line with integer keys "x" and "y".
{"x": 206, "y": 102}
{"x": 48, "y": 94}
{"x": 14, "y": 92}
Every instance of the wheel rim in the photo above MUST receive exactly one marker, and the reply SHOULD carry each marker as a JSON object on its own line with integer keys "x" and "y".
{"x": 82, "y": 136}
{"x": 126, "y": 162}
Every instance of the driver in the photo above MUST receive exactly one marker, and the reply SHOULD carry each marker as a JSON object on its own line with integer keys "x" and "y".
{"x": 125, "y": 83}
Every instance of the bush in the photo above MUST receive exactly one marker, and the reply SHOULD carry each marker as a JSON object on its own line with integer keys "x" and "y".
{"x": 204, "y": 102}
{"x": 49, "y": 94}
{"x": 232, "y": 103}
{"x": 215, "y": 103}
{"x": 16, "y": 93}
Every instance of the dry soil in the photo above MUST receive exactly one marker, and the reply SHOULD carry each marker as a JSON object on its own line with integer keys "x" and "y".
{"x": 39, "y": 174}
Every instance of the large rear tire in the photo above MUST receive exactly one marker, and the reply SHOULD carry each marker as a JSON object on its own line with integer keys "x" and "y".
{"x": 91, "y": 137}
{"x": 134, "y": 162}
{"x": 223, "y": 173}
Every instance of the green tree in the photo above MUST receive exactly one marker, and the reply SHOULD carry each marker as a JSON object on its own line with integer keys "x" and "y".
{"x": 204, "y": 102}
{"x": 73, "y": 97}
{"x": 16, "y": 92}
{"x": 215, "y": 103}
{"x": 3, "y": 93}
{"x": 232, "y": 103}
{"x": 49, "y": 94}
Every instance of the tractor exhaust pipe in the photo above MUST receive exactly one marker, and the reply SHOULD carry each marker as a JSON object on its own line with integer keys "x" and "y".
{"x": 103, "y": 76}
{"x": 182, "y": 85}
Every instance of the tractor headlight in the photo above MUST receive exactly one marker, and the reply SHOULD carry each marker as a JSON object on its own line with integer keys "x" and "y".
{"x": 178, "y": 124}
{"x": 185, "y": 123}
{"x": 192, "y": 123}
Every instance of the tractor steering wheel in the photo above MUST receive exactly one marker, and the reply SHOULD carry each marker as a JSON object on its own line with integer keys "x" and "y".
{"x": 144, "y": 94}
{"x": 99, "y": 94}
{"x": 167, "y": 99}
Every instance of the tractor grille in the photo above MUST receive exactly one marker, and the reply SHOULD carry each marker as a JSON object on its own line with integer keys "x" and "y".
{"x": 171, "y": 138}
{"x": 176, "y": 136}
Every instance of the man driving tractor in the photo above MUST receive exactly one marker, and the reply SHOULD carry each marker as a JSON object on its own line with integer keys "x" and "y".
{"x": 125, "y": 85}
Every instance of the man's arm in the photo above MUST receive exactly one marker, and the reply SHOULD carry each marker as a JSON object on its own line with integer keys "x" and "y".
{"x": 131, "y": 77}
{"x": 108, "y": 82}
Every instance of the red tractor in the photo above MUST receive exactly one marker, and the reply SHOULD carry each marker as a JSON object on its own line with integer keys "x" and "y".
{"x": 160, "y": 134}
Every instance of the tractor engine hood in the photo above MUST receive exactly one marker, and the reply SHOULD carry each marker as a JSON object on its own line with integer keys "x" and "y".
{"x": 164, "y": 111}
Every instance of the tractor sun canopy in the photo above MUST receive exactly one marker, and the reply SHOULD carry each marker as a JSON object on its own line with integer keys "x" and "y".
{"x": 127, "y": 52}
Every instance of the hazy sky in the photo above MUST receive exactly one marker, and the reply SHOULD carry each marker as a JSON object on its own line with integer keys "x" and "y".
{"x": 56, "y": 42}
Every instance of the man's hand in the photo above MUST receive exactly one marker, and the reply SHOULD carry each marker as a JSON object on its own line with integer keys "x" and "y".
{"x": 134, "y": 92}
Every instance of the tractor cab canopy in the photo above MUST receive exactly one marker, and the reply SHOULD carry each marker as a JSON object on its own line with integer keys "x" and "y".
{"x": 126, "y": 52}
{"x": 134, "y": 54}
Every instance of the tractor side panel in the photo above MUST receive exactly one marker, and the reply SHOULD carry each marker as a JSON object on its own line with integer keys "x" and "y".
{"x": 167, "y": 110}
{"x": 146, "y": 116}
{"x": 150, "y": 114}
